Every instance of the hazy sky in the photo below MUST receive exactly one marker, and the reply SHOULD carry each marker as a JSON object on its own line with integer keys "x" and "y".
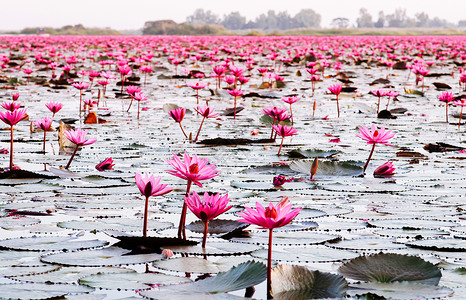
{"x": 131, "y": 14}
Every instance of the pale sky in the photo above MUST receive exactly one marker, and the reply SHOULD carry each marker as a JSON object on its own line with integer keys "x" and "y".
{"x": 131, "y": 14}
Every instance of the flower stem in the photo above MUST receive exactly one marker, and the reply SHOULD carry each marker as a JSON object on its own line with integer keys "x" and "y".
{"x": 269, "y": 267}
{"x": 273, "y": 123}
{"x": 291, "y": 112}
{"x": 446, "y": 110}
{"x": 206, "y": 229}
{"x": 72, "y": 156}
{"x": 139, "y": 102}
{"x": 461, "y": 114}
{"x": 197, "y": 96}
{"x": 369, "y": 158}
{"x": 378, "y": 106}
{"x": 280, "y": 149}
{"x": 146, "y": 212}
{"x": 338, "y": 107}
{"x": 183, "y": 130}
{"x": 234, "y": 114}
{"x": 130, "y": 103}
{"x": 45, "y": 133}
{"x": 199, "y": 131}
{"x": 181, "y": 230}
{"x": 11, "y": 147}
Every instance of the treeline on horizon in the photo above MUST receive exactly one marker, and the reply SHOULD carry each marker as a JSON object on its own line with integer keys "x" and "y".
{"x": 308, "y": 18}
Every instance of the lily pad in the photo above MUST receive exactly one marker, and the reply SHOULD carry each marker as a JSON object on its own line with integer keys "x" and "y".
{"x": 64, "y": 275}
{"x": 200, "y": 265}
{"x": 373, "y": 244}
{"x": 410, "y": 224}
{"x": 400, "y": 290}
{"x": 217, "y": 226}
{"x": 111, "y": 256}
{"x": 315, "y": 254}
{"x": 17, "y": 221}
{"x": 215, "y": 248}
{"x": 119, "y": 224}
{"x": 328, "y": 168}
{"x": 240, "y": 277}
{"x": 311, "y": 153}
{"x": 390, "y": 267}
{"x": 50, "y": 243}
{"x": 130, "y": 280}
{"x": 440, "y": 244}
{"x": 298, "y": 282}
{"x": 288, "y": 238}
{"x": 40, "y": 290}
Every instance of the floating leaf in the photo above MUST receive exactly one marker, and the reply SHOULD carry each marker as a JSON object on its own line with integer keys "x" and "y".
{"x": 200, "y": 265}
{"x": 414, "y": 92}
{"x": 64, "y": 275}
{"x": 298, "y": 282}
{"x": 40, "y": 290}
{"x": 240, "y": 277}
{"x": 440, "y": 244}
{"x": 50, "y": 243}
{"x": 24, "y": 174}
{"x": 217, "y": 226}
{"x": 17, "y": 221}
{"x": 311, "y": 153}
{"x": 150, "y": 244}
{"x": 374, "y": 244}
{"x": 111, "y": 256}
{"x": 328, "y": 168}
{"x": 119, "y": 224}
{"x": 315, "y": 254}
{"x": 216, "y": 248}
{"x": 130, "y": 280}
{"x": 289, "y": 238}
{"x": 400, "y": 290}
{"x": 390, "y": 267}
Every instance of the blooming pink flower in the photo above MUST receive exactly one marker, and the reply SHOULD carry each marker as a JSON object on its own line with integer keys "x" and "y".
{"x": 206, "y": 111}
{"x": 78, "y": 137}
{"x": 270, "y": 217}
{"x": 11, "y": 106}
{"x": 385, "y": 170}
{"x": 132, "y": 89}
{"x": 43, "y": 123}
{"x": 80, "y": 85}
{"x": 54, "y": 107}
{"x": 279, "y": 180}
{"x": 290, "y": 99}
{"x": 283, "y": 130}
{"x": 193, "y": 169}
{"x": 125, "y": 70}
{"x": 335, "y": 89}
{"x": 375, "y": 136}
{"x": 13, "y": 117}
{"x": 15, "y": 96}
{"x": 151, "y": 186}
{"x": 106, "y": 164}
{"x": 198, "y": 85}
{"x": 177, "y": 114}
{"x": 209, "y": 207}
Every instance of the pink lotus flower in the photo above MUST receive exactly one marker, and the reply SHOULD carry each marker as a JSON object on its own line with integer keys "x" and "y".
{"x": 11, "y": 106}
{"x": 446, "y": 97}
{"x": 462, "y": 103}
{"x": 270, "y": 218}
{"x": 54, "y": 107}
{"x": 336, "y": 90}
{"x": 12, "y": 118}
{"x": 139, "y": 96}
{"x": 207, "y": 209}
{"x": 379, "y": 93}
{"x": 197, "y": 86}
{"x": 132, "y": 89}
{"x": 44, "y": 124}
{"x": 205, "y": 112}
{"x": 374, "y": 137}
{"x": 77, "y": 137}
{"x": 15, "y": 96}
{"x": 80, "y": 85}
{"x": 106, "y": 164}
{"x": 283, "y": 131}
{"x": 280, "y": 180}
{"x": 178, "y": 115}
{"x": 150, "y": 186}
{"x": 193, "y": 169}
{"x": 167, "y": 253}
{"x": 290, "y": 100}
{"x": 277, "y": 113}
{"x": 385, "y": 170}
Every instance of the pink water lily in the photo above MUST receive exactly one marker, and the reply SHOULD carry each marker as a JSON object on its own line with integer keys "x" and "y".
{"x": 270, "y": 218}
{"x": 44, "y": 124}
{"x": 283, "y": 131}
{"x": 207, "y": 208}
{"x": 446, "y": 97}
{"x": 12, "y": 118}
{"x": 150, "y": 186}
{"x": 290, "y": 100}
{"x": 235, "y": 93}
{"x": 11, "y": 106}
{"x": 197, "y": 86}
{"x": 385, "y": 170}
{"x": 54, "y": 107}
{"x": 462, "y": 103}
{"x": 77, "y": 137}
{"x": 106, "y": 164}
{"x": 192, "y": 169}
{"x": 205, "y": 112}
{"x": 336, "y": 90}
{"x": 374, "y": 137}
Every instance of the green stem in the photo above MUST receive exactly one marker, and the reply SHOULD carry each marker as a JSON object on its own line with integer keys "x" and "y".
{"x": 269, "y": 266}
{"x": 181, "y": 229}
{"x": 146, "y": 212}
{"x": 206, "y": 229}
{"x": 369, "y": 158}
{"x": 72, "y": 156}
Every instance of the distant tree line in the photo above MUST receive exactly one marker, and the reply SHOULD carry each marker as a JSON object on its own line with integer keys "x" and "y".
{"x": 400, "y": 19}
{"x": 78, "y": 29}
{"x": 282, "y": 20}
